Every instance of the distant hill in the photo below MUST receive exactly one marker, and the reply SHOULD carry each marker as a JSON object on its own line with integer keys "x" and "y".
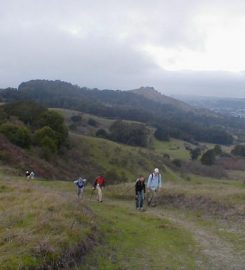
{"x": 175, "y": 118}
{"x": 152, "y": 94}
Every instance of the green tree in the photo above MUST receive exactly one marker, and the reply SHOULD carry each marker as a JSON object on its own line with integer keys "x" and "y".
{"x": 92, "y": 122}
{"x": 56, "y": 122}
{"x": 130, "y": 133}
{"x": 217, "y": 150}
{"x": 195, "y": 153}
{"x": 102, "y": 133}
{"x": 18, "y": 135}
{"x": 48, "y": 140}
{"x": 208, "y": 158}
{"x": 26, "y": 111}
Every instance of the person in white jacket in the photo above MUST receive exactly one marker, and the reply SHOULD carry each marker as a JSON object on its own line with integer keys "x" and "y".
{"x": 154, "y": 185}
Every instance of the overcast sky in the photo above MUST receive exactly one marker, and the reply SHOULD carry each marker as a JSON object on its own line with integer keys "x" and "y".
{"x": 178, "y": 46}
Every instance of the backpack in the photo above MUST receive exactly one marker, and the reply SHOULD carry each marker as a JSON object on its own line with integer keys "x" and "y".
{"x": 80, "y": 184}
{"x": 157, "y": 177}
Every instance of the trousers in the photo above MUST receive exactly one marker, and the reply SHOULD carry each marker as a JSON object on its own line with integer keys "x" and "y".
{"x": 140, "y": 199}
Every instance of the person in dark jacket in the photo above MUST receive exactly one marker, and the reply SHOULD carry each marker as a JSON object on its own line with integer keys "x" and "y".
{"x": 140, "y": 192}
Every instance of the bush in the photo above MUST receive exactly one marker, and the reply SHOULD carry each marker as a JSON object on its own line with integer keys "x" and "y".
{"x": 208, "y": 158}
{"x": 102, "y": 133}
{"x": 76, "y": 118}
{"x": 92, "y": 122}
{"x": 195, "y": 167}
{"x": 26, "y": 111}
{"x": 130, "y": 133}
{"x": 177, "y": 163}
{"x": 56, "y": 122}
{"x": 195, "y": 153}
{"x": 47, "y": 139}
{"x": 3, "y": 115}
{"x": 49, "y": 147}
{"x": 17, "y": 135}
{"x": 218, "y": 150}
{"x": 238, "y": 150}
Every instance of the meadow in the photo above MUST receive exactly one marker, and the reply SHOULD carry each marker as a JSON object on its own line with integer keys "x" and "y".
{"x": 198, "y": 221}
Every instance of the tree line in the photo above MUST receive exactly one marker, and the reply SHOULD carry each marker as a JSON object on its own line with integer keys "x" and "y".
{"x": 169, "y": 121}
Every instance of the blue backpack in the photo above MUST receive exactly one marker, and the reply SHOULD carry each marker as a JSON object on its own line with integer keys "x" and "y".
{"x": 80, "y": 183}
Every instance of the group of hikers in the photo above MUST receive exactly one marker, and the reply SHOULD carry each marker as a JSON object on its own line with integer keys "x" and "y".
{"x": 152, "y": 187}
{"x": 30, "y": 175}
{"x": 98, "y": 185}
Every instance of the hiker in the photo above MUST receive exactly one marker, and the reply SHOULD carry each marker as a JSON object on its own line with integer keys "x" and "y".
{"x": 99, "y": 185}
{"x": 32, "y": 175}
{"x": 27, "y": 174}
{"x": 140, "y": 192}
{"x": 80, "y": 183}
{"x": 154, "y": 184}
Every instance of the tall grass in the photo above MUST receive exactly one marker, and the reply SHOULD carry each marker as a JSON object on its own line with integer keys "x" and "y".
{"x": 40, "y": 227}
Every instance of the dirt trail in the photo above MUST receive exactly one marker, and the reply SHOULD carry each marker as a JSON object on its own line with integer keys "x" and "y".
{"x": 218, "y": 253}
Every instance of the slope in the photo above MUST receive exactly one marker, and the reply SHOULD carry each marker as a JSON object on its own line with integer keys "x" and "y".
{"x": 153, "y": 94}
{"x": 68, "y": 233}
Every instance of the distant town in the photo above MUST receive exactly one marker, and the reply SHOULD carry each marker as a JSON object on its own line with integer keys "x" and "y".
{"x": 228, "y": 106}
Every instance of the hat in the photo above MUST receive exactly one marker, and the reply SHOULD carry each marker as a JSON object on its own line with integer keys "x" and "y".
{"x": 156, "y": 170}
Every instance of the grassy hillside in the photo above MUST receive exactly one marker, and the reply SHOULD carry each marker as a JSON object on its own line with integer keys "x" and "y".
{"x": 89, "y": 156}
{"x": 41, "y": 228}
{"x": 195, "y": 226}
{"x": 83, "y": 126}
{"x": 84, "y": 154}
{"x": 119, "y": 162}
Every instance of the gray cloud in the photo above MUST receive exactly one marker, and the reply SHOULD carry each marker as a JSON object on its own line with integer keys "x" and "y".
{"x": 99, "y": 43}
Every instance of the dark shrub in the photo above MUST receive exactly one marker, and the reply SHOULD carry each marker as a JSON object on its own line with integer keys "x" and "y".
{"x": 76, "y": 118}
{"x": 26, "y": 111}
{"x": 238, "y": 150}
{"x": 177, "y": 163}
{"x": 217, "y": 150}
{"x": 16, "y": 134}
{"x": 208, "y": 158}
{"x": 92, "y": 122}
{"x": 130, "y": 133}
{"x": 102, "y": 133}
{"x": 56, "y": 122}
{"x": 162, "y": 134}
{"x": 47, "y": 139}
{"x": 195, "y": 153}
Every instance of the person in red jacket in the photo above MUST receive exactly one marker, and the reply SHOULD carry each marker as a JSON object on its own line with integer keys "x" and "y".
{"x": 99, "y": 184}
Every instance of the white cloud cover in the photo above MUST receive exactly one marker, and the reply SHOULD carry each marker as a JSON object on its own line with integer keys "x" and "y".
{"x": 185, "y": 47}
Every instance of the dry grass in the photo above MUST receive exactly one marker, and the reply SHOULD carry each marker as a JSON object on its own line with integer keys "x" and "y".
{"x": 221, "y": 198}
{"x": 40, "y": 227}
